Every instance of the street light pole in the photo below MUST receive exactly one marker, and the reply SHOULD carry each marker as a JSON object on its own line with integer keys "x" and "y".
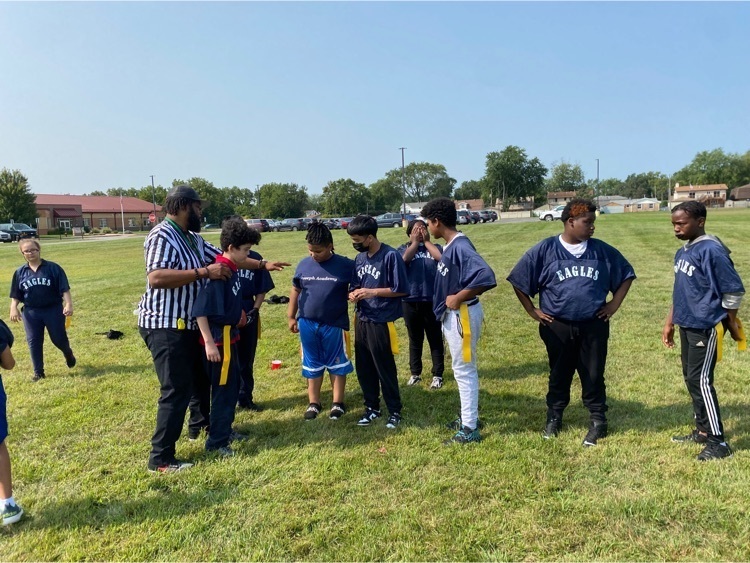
{"x": 153, "y": 193}
{"x": 257, "y": 187}
{"x": 597, "y": 182}
{"x": 403, "y": 185}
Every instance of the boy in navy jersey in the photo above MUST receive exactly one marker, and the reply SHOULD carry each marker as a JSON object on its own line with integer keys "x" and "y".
{"x": 573, "y": 274}
{"x": 380, "y": 281}
{"x": 218, "y": 312}
{"x": 319, "y": 311}
{"x": 707, "y": 294}
{"x": 462, "y": 275}
{"x": 10, "y": 512}
{"x": 421, "y": 258}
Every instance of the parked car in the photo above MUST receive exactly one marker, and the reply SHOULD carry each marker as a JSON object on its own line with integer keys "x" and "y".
{"x": 278, "y": 226}
{"x": 5, "y": 237}
{"x": 552, "y": 214}
{"x": 389, "y": 220}
{"x": 332, "y": 223}
{"x": 295, "y": 224}
{"x": 344, "y": 222}
{"x": 475, "y": 217}
{"x": 463, "y": 217}
{"x": 18, "y": 231}
{"x": 493, "y": 215}
{"x": 260, "y": 225}
{"x": 485, "y": 216}
{"x": 210, "y": 226}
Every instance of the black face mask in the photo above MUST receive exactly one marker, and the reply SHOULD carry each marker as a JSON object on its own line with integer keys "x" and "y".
{"x": 360, "y": 247}
{"x": 194, "y": 221}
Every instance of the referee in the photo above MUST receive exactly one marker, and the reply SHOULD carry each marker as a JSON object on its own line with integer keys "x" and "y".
{"x": 178, "y": 261}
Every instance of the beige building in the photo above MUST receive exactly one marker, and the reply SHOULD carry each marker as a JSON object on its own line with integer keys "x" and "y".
{"x": 76, "y": 211}
{"x": 711, "y": 195}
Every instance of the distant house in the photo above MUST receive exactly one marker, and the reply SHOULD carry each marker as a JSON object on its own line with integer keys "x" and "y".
{"x": 414, "y": 207}
{"x": 740, "y": 193}
{"x": 470, "y": 204}
{"x": 623, "y": 205}
{"x": 711, "y": 195}
{"x": 67, "y": 211}
{"x": 559, "y": 198}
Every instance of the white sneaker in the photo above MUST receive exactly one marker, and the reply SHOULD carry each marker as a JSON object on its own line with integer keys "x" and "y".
{"x": 413, "y": 380}
{"x": 437, "y": 383}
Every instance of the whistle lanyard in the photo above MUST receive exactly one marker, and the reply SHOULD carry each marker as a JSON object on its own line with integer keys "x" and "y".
{"x": 185, "y": 236}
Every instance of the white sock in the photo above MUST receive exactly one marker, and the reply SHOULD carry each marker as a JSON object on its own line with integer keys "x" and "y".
{"x": 7, "y": 502}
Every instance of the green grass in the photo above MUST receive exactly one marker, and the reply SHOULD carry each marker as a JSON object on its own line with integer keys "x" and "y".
{"x": 328, "y": 490}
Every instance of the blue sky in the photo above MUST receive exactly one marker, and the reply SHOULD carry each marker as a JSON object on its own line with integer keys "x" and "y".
{"x": 101, "y": 95}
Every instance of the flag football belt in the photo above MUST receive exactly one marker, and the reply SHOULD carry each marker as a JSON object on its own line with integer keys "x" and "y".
{"x": 741, "y": 343}
{"x": 227, "y": 355}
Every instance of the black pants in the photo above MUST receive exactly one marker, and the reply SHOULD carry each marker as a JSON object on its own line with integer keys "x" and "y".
{"x": 376, "y": 367}
{"x": 223, "y": 399}
{"x": 246, "y": 349}
{"x": 420, "y": 320}
{"x": 177, "y": 356}
{"x": 698, "y": 347}
{"x": 580, "y": 346}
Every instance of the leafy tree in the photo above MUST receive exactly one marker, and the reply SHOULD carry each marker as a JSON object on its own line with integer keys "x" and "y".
{"x": 282, "y": 200}
{"x": 610, "y": 186}
{"x": 242, "y": 200}
{"x": 470, "y": 189}
{"x": 513, "y": 175}
{"x": 219, "y": 205}
{"x": 566, "y": 177}
{"x": 385, "y": 195}
{"x": 715, "y": 167}
{"x": 645, "y": 184}
{"x": 315, "y": 202}
{"x": 97, "y": 192}
{"x": 344, "y": 197}
{"x": 16, "y": 200}
{"x": 422, "y": 181}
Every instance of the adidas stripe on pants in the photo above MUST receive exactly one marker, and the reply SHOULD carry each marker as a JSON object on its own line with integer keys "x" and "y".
{"x": 698, "y": 350}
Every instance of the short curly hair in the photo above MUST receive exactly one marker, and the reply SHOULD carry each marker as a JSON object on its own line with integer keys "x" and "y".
{"x": 235, "y": 232}
{"x": 442, "y": 208}
{"x": 577, "y": 207}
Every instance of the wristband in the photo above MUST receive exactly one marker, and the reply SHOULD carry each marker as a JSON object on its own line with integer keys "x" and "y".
{"x": 197, "y": 275}
{"x": 262, "y": 264}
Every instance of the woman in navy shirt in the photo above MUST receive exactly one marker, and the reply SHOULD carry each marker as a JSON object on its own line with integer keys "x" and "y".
{"x": 43, "y": 289}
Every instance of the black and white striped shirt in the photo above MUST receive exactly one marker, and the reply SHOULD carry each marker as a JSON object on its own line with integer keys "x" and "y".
{"x": 167, "y": 248}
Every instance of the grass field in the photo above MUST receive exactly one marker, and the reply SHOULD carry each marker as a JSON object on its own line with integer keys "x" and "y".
{"x": 331, "y": 491}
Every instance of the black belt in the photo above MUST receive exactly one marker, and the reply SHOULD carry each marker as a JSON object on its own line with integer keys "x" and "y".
{"x": 472, "y": 302}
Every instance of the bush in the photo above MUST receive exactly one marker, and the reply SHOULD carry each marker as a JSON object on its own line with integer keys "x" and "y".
{"x": 86, "y": 229}
{"x": 95, "y": 231}
{"x": 106, "y": 231}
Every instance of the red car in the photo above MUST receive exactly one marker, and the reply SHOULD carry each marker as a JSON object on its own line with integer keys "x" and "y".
{"x": 344, "y": 222}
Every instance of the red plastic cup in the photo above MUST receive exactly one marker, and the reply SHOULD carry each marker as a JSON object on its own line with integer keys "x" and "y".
{"x": 276, "y": 364}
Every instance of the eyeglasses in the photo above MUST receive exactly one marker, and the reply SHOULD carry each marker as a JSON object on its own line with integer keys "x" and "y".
{"x": 30, "y": 251}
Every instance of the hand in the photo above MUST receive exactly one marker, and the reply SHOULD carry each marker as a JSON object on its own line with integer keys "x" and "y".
{"x": 243, "y": 320}
{"x": 425, "y": 234}
{"x": 359, "y": 294}
{"x": 667, "y": 335}
{"x": 15, "y": 316}
{"x": 293, "y": 326}
{"x": 271, "y": 266}
{"x": 541, "y": 317}
{"x": 218, "y": 271}
{"x": 453, "y": 302}
{"x": 733, "y": 328}
{"x": 212, "y": 352}
{"x": 606, "y": 312}
{"x": 68, "y": 310}
{"x": 252, "y": 315}
{"x": 415, "y": 237}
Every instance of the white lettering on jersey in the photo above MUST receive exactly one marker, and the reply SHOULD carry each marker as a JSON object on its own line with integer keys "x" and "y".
{"x": 370, "y": 270}
{"x": 442, "y": 269}
{"x": 685, "y": 267}
{"x": 577, "y": 272}
{"x": 35, "y": 281}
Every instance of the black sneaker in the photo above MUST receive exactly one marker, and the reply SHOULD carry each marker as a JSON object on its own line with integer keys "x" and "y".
{"x": 313, "y": 410}
{"x": 11, "y": 514}
{"x": 337, "y": 411}
{"x": 597, "y": 429}
{"x": 465, "y": 435}
{"x": 172, "y": 467}
{"x": 70, "y": 359}
{"x": 249, "y": 406}
{"x": 235, "y": 436}
{"x": 37, "y": 376}
{"x": 694, "y": 437}
{"x": 552, "y": 428}
{"x": 394, "y": 420}
{"x": 715, "y": 450}
{"x": 367, "y": 418}
{"x": 194, "y": 433}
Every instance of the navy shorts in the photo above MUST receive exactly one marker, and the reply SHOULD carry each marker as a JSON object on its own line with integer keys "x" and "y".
{"x": 3, "y": 413}
{"x": 322, "y": 348}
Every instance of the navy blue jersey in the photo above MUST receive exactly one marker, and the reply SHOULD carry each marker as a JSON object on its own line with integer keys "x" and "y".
{"x": 385, "y": 268}
{"x": 324, "y": 290}
{"x": 421, "y": 272}
{"x": 703, "y": 272}
{"x": 254, "y": 282}
{"x": 571, "y": 288}
{"x": 460, "y": 267}
{"x": 221, "y": 302}
{"x": 43, "y": 288}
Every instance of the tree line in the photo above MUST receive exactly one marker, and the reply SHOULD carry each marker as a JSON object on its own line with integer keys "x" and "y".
{"x": 510, "y": 176}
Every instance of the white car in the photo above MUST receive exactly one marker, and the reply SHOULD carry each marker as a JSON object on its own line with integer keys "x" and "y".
{"x": 552, "y": 214}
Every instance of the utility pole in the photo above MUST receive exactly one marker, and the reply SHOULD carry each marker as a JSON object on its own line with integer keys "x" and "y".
{"x": 403, "y": 187}
{"x": 153, "y": 194}
{"x": 257, "y": 190}
{"x": 596, "y": 189}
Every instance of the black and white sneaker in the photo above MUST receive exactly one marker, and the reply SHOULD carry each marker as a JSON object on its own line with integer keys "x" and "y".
{"x": 173, "y": 466}
{"x": 694, "y": 437}
{"x": 368, "y": 418}
{"x": 715, "y": 450}
{"x": 337, "y": 411}
{"x": 394, "y": 420}
{"x": 313, "y": 410}
{"x": 597, "y": 429}
{"x": 437, "y": 383}
{"x": 552, "y": 428}
{"x": 413, "y": 380}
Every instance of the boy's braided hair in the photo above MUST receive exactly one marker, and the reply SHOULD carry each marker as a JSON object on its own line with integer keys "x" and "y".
{"x": 319, "y": 234}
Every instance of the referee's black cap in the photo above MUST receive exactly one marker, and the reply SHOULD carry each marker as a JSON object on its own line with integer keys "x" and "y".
{"x": 186, "y": 192}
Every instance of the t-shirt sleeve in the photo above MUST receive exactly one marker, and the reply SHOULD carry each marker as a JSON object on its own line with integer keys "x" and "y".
{"x": 620, "y": 270}
{"x": 356, "y": 282}
{"x": 475, "y": 272}
{"x": 161, "y": 254}
{"x": 15, "y": 290}
{"x": 210, "y": 300}
{"x": 725, "y": 276}
{"x": 62, "y": 281}
{"x": 525, "y": 274}
{"x": 209, "y": 251}
{"x": 396, "y": 276}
